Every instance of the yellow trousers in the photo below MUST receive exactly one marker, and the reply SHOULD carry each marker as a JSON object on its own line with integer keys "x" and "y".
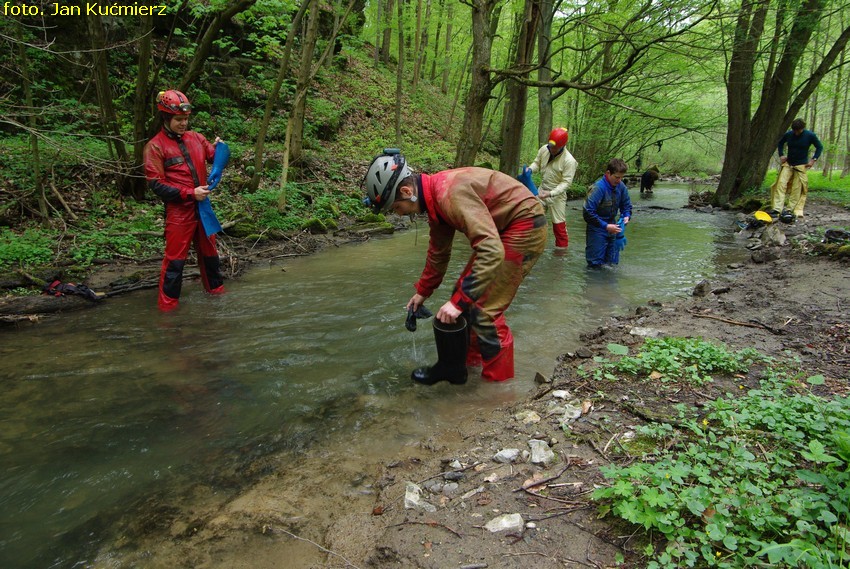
{"x": 793, "y": 182}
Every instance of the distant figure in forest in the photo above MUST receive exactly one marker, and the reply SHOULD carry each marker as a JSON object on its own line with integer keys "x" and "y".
{"x": 648, "y": 179}
{"x": 558, "y": 167}
{"x": 794, "y": 172}
{"x": 607, "y": 210}
{"x": 506, "y": 228}
{"x": 175, "y": 168}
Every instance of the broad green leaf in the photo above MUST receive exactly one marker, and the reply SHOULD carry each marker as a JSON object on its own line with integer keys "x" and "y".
{"x": 618, "y": 349}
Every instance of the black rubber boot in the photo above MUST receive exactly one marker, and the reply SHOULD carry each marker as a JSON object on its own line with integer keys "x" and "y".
{"x": 452, "y": 344}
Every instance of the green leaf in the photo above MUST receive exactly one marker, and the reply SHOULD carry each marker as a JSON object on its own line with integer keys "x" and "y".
{"x": 816, "y": 380}
{"x": 618, "y": 349}
{"x": 818, "y": 453}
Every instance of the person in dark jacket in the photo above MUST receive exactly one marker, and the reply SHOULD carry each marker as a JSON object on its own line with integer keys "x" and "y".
{"x": 793, "y": 179}
{"x": 606, "y": 211}
{"x": 175, "y": 167}
{"x": 648, "y": 179}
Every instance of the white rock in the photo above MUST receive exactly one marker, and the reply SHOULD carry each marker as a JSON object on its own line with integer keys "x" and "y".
{"x": 560, "y": 394}
{"x": 507, "y": 455}
{"x": 506, "y": 522}
{"x": 527, "y": 417}
{"x": 413, "y": 499}
{"x": 541, "y": 453}
{"x": 645, "y": 332}
{"x": 571, "y": 413}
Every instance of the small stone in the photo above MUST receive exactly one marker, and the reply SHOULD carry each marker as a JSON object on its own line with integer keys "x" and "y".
{"x": 506, "y": 522}
{"x": 507, "y": 455}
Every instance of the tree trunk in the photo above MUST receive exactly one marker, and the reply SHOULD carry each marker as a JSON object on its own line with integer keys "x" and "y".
{"x": 109, "y": 120}
{"x": 32, "y": 122}
{"x": 437, "y": 41}
{"x": 517, "y": 92}
{"x": 399, "y": 82}
{"x": 135, "y": 181}
{"x": 416, "y": 44}
{"x": 303, "y": 85}
{"x": 544, "y": 73}
{"x": 456, "y": 100}
{"x": 422, "y": 50}
{"x": 828, "y": 157}
{"x": 271, "y": 101}
{"x": 378, "y": 6}
{"x": 388, "y": 30}
{"x": 480, "y": 86}
{"x": 299, "y": 106}
{"x": 444, "y": 87}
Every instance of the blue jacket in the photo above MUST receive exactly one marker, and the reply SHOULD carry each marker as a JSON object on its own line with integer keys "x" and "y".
{"x": 798, "y": 146}
{"x": 606, "y": 204}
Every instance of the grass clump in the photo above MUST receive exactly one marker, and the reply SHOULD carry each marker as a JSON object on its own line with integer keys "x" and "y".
{"x": 688, "y": 360}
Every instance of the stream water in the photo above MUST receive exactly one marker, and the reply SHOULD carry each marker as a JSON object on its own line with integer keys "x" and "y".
{"x": 99, "y": 408}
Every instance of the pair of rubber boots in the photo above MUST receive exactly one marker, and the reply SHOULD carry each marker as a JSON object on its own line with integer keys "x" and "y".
{"x": 452, "y": 344}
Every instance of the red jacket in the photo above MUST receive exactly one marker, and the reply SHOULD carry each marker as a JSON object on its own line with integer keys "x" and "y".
{"x": 481, "y": 204}
{"x": 170, "y": 177}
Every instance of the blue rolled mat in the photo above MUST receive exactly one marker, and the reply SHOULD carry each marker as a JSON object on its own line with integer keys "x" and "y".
{"x": 208, "y": 218}
{"x": 525, "y": 178}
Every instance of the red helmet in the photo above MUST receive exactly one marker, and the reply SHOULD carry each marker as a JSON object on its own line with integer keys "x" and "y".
{"x": 559, "y": 137}
{"x": 173, "y": 102}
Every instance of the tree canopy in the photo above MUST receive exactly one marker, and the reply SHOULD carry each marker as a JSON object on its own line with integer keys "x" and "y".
{"x": 694, "y": 86}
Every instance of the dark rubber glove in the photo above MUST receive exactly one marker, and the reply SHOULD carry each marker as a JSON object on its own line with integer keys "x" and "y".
{"x": 420, "y": 312}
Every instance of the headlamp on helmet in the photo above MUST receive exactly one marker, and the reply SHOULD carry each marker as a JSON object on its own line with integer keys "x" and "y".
{"x": 173, "y": 103}
{"x": 385, "y": 174}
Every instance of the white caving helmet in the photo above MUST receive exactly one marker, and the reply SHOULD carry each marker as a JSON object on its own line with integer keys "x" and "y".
{"x": 385, "y": 174}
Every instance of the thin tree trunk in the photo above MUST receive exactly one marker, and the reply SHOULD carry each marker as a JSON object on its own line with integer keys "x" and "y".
{"x": 271, "y": 101}
{"x": 480, "y": 86}
{"x": 829, "y": 157}
{"x": 296, "y": 116}
{"x": 388, "y": 30}
{"x": 416, "y": 42}
{"x": 460, "y": 83}
{"x": 399, "y": 74}
{"x": 544, "y": 74}
{"x": 301, "y": 94}
{"x": 32, "y": 123}
{"x": 437, "y": 41}
{"x": 517, "y": 92}
{"x": 135, "y": 181}
{"x": 378, "y": 6}
{"x": 109, "y": 119}
{"x": 447, "y": 59}
{"x": 422, "y": 49}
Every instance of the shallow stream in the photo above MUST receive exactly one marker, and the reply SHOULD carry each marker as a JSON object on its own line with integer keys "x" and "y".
{"x": 101, "y": 408}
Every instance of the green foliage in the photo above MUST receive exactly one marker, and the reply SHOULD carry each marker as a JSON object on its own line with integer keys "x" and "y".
{"x": 28, "y": 248}
{"x": 691, "y": 360}
{"x": 56, "y": 152}
{"x": 730, "y": 493}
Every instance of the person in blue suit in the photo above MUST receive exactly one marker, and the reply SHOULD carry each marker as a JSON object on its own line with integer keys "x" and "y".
{"x": 607, "y": 210}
